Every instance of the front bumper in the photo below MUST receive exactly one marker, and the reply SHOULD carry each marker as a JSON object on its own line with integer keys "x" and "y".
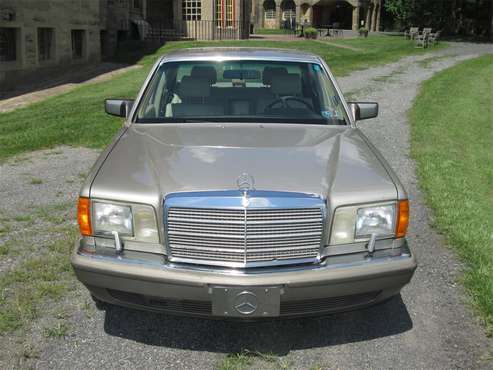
{"x": 339, "y": 283}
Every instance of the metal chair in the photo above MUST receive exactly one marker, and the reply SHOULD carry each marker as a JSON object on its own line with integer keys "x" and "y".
{"x": 411, "y": 33}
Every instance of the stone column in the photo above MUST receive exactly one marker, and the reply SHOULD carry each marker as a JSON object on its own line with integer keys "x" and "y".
{"x": 298, "y": 13}
{"x": 278, "y": 14}
{"x": 356, "y": 18}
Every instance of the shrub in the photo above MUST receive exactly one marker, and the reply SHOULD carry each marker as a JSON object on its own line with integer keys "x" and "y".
{"x": 363, "y": 31}
{"x": 310, "y": 33}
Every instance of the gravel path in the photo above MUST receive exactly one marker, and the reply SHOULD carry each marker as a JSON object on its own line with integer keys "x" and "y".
{"x": 428, "y": 327}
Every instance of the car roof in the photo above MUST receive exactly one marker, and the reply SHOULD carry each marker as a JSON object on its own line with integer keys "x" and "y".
{"x": 240, "y": 53}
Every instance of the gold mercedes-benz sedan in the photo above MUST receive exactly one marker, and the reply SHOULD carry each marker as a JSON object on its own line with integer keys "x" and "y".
{"x": 241, "y": 187}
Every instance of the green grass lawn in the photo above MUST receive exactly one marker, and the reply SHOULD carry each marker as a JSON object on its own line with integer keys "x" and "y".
{"x": 452, "y": 141}
{"x": 77, "y": 117}
{"x": 273, "y": 31}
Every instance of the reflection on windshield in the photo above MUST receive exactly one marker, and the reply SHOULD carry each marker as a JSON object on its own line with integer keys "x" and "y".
{"x": 241, "y": 91}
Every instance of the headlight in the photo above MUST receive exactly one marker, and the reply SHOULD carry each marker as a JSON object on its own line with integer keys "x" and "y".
{"x": 145, "y": 224}
{"x": 379, "y": 220}
{"x": 135, "y": 222}
{"x": 357, "y": 223}
{"x": 111, "y": 217}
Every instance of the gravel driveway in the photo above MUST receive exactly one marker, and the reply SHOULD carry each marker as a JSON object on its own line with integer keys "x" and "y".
{"x": 427, "y": 327}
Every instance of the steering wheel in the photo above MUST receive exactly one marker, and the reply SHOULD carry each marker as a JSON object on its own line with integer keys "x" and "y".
{"x": 283, "y": 100}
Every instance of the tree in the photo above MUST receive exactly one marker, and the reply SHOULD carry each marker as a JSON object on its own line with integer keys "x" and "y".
{"x": 491, "y": 20}
{"x": 469, "y": 17}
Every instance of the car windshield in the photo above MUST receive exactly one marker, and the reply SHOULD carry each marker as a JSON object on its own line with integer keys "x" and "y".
{"x": 241, "y": 91}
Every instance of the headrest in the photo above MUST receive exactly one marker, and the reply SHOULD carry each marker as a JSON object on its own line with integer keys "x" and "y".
{"x": 289, "y": 84}
{"x": 271, "y": 72}
{"x": 191, "y": 87}
{"x": 208, "y": 72}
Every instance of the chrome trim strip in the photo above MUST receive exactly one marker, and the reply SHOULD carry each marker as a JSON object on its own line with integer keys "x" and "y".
{"x": 382, "y": 258}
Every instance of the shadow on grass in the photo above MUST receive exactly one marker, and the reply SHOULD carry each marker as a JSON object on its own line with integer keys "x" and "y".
{"x": 277, "y": 337}
{"x": 129, "y": 53}
{"x": 133, "y": 51}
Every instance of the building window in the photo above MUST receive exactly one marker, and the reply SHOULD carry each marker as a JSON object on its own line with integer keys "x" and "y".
{"x": 225, "y": 13}
{"x": 230, "y": 13}
{"x": 78, "y": 44}
{"x": 45, "y": 44}
{"x": 270, "y": 9}
{"x": 138, "y": 4}
{"x": 219, "y": 13}
{"x": 192, "y": 10}
{"x": 8, "y": 44}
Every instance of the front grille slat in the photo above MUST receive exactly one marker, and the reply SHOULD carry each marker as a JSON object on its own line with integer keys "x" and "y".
{"x": 225, "y": 236}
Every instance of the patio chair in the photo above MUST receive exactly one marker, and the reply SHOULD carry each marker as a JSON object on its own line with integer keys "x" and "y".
{"x": 421, "y": 40}
{"x": 427, "y": 30}
{"x": 411, "y": 33}
{"x": 433, "y": 38}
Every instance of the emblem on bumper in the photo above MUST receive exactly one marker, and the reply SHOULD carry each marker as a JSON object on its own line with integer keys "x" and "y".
{"x": 245, "y": 303}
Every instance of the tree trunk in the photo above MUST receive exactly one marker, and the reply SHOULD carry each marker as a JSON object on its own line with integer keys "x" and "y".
{"x": 491, "y": 20}
{"x": 373, "y": 17}
{"x": 379, "y": 12}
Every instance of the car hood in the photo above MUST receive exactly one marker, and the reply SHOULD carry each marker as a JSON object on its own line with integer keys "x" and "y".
{"x": 152, "y": 160}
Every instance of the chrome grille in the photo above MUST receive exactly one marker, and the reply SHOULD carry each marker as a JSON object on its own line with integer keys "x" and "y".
{"x": 244, "y": 236}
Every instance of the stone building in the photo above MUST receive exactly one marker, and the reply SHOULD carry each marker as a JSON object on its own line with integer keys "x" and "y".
{"x": 45, "y": 34}
{"x": 345, "y": 14}
{"x": 39, "y": 36}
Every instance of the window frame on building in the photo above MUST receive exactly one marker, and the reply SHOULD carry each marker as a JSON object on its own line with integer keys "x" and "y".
{"x": 8, "y": 44}
{"x": 191, "y": 10}
{"x": 46, "y": 44}
{"x": 78, "y": 51}
{"x": 225, "y": 13}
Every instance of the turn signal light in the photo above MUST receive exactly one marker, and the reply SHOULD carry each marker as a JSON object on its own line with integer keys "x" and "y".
{"x": 84, "y": 216}
{"x": 403, "y": 219}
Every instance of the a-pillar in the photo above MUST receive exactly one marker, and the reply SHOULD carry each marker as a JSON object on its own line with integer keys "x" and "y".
{"x": 356, "y": 18}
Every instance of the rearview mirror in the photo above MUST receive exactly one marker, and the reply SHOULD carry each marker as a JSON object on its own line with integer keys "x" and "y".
{"x": 363, "y": 111}
{"x": 118, "y": 107}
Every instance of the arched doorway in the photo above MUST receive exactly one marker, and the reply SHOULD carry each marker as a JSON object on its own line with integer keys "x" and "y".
{"x": 288, "y": 14}
{"x": 269, "y": 20}
{"x": 306, "y": 13}
{"x": 335, "y": 13}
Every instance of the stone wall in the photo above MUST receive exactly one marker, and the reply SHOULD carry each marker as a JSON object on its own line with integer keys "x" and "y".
{"x": 27, "y": 17}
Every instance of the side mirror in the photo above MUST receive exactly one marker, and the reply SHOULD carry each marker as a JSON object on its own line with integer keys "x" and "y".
{"x": 363, "y": 111}
{"x": 118, "y": 107}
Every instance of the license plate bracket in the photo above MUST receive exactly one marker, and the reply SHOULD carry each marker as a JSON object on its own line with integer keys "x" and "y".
{"x": 246, "y": 302}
